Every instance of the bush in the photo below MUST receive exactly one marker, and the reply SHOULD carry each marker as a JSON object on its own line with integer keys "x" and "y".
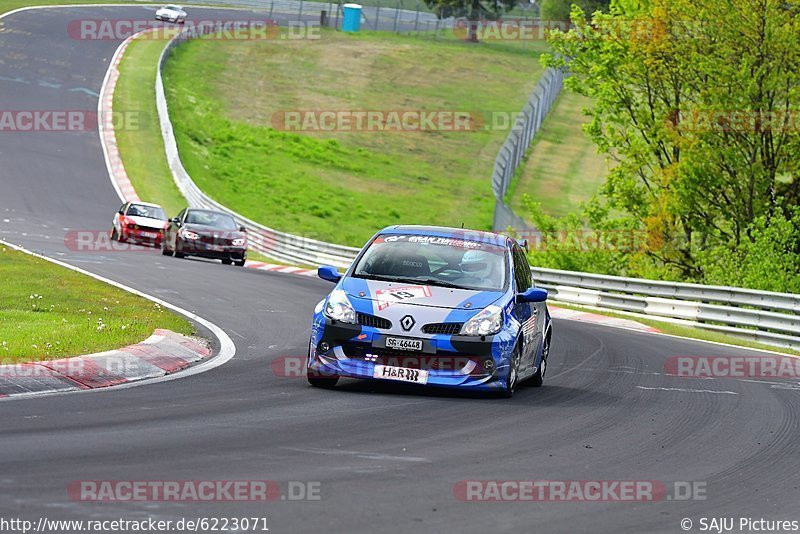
{"x": 768, "y": 260}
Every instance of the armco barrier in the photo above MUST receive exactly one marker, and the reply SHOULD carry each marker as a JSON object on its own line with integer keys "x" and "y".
{"x": 760, "y": 315}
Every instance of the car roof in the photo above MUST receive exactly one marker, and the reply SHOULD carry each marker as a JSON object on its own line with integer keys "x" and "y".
{"x": 139, "y": 203}
{"x": 444, "y": 231}
{"x": 215, "y": 212}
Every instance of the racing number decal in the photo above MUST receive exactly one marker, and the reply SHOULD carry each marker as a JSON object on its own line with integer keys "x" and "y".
{"x": 387, "y": 297}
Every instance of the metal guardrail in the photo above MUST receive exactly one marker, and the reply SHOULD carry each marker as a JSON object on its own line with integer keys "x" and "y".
{"x": 273, "y": 243}
{"x": 526, "y": 126}
{"x": 760, "y": 315}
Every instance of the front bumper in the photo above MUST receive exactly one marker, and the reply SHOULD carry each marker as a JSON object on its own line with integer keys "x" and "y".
{"x": 147, "y": 236}
{"x": 212, "y": 251}
{"x": 450, "y": 361}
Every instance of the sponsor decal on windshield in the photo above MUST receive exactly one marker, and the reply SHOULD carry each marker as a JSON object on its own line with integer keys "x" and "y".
{"x": 387, "y": 297}
{"x": 434, "y": 240}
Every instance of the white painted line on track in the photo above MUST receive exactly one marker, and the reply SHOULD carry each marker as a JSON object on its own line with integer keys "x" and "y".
{"x": 684, "y": 390}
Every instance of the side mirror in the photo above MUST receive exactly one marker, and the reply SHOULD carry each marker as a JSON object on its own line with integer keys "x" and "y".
{"x": 175, "y": 220}
{"x": 121, "y": 211}
{"x": 242, "y": 229}
{"x": 534, "y": 294}
{"x": 329, "y": 273}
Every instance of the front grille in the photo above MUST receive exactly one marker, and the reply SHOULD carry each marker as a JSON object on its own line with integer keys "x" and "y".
{"x": 411, "y": 360}
{"x": 374, "y": 321}
{"x": 214, "y": 239}
{"x": 449, "y": 329}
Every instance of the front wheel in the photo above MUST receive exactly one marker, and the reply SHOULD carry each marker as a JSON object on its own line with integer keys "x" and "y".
{"x": 227, "y": 262}
{"x": 538, "y": 379}
{"x": 513, "y": 373}
{"x": 239, "y": 263}
{"x": 325, "y": 382}
{"x": 164, "y": 250}
{"x": 177, "y": 247}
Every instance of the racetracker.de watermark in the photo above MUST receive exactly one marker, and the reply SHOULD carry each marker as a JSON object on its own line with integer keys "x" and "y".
{"x": 509, "y": 29}
{"x": 587, "y": 239}
{"x": 193, "y": 490}
{"x": 295, "y": 366}
{"x": 578, "y": 491}
{"x": 735, "y": 120}
{"x": 216, "y": 30}
{"x": 761, "y": 366}
{"x": 402, "y": 120}
{"x": 74, "y": 368}
{"x": 67, "y": 120}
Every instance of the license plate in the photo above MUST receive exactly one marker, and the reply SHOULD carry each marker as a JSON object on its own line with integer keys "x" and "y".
{"x": 149, "y": 234}
{"x": 401, "y": 374}
{"x": 215, "y": 248}
{"x": 401, "y": 343}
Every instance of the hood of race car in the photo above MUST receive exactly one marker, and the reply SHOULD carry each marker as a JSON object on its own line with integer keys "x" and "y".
{"x": 383, "y": 296}
{"x": 145, "y": 222}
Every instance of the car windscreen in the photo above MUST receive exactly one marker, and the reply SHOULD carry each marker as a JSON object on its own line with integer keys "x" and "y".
{"x": 212, "y": 219}
{"x": 445, "y": 261}
{"x": 151, "y": 212}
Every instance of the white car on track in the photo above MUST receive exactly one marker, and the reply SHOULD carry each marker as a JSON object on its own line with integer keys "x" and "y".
{"x": 171, "y": 13}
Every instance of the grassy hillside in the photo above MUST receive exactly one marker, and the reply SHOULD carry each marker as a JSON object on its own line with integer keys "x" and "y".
{"x": 563, "y": 167}
{"x": 342, "y": 186}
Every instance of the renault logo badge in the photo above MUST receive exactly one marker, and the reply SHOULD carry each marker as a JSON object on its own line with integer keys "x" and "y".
{"x": 407, "y": 323}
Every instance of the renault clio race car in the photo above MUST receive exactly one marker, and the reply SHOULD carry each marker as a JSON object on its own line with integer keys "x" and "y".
{"x": 437, "y": 306}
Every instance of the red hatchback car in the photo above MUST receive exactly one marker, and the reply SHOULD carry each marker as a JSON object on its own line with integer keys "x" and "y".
{"x": 139, "y": 222}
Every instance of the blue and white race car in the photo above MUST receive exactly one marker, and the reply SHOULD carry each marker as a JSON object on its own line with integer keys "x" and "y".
{"x": 430, "y": 305}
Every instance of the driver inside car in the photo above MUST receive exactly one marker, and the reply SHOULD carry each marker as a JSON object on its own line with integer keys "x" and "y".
{"x": 478, "y": 269}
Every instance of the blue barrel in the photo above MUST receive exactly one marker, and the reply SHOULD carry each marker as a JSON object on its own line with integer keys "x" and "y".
{"x": 351, "y": 21}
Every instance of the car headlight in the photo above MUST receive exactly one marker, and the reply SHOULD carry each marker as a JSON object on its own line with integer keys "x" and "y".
{"x": 487, "y": 322}
{"x": 186, "y": 234}
{"x": 238, "y": 242}
{"x": 339, "y": 308}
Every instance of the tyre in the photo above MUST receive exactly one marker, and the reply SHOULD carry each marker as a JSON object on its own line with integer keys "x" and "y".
{"x": 239, "y": 263}
{"x": 177, "y": 247}
{"x": 227, "y": 262}
{"x": 325, "y": 382}
{"x": 538, "y": 379}
{"x": 114, "y": 236}
{"x": 512, "y": 381}
{"x": 164, "y": 250}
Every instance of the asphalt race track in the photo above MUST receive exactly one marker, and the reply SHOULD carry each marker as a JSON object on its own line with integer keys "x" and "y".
{"x": 387, "y": 458}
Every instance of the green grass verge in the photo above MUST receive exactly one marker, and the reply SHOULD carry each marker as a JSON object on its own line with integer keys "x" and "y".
{"x": 139, "y": 133}
{"x": 342, "y": 186}
{"x": 562, "y": 168}
{"x": 682, "y": 330}
{"x": 60, "y": 313}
